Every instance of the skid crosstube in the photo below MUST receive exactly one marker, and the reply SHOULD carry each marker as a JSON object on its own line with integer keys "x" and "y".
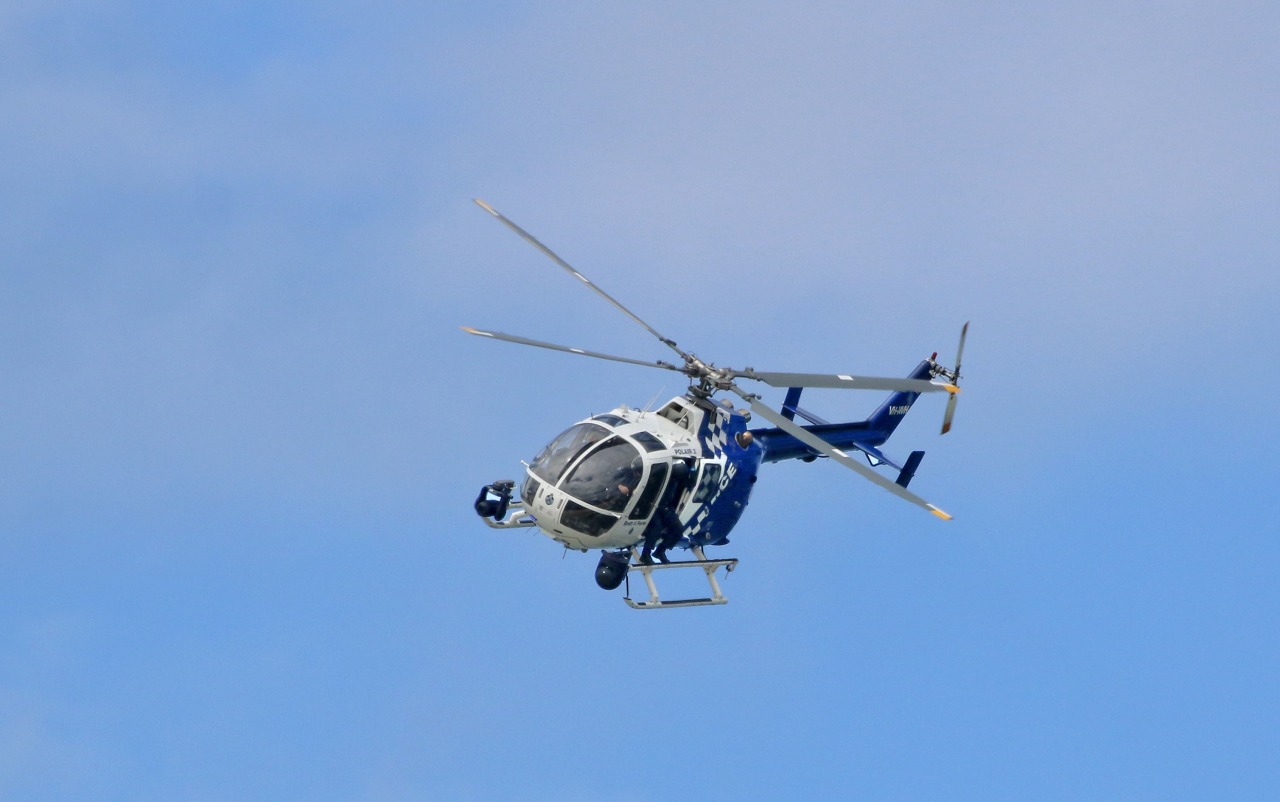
{"x": 655, "y": 602}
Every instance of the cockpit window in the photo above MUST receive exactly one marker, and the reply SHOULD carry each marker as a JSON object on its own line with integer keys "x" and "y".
{"x": 588, "y": 522}
{"x": 649, "y": 442}
{"x": 612, "y": 420}
{"x": 607, "y": 477}
{"x": 657, "y": 476}
{"x": 530, "y": 490}
{"x": 565, "y": 449}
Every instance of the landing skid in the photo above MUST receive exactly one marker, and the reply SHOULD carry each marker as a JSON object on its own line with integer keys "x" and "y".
{"x": 654, "y": 602}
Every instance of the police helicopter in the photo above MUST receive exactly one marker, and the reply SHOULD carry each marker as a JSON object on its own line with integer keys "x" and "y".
{"x": 634, "y": 483}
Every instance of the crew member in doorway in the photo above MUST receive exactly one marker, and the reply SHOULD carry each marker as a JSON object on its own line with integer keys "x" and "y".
{"x": 665, "y": 527}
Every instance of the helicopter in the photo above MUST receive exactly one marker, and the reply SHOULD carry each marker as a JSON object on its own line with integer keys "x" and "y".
{"x": 610, "y": 480}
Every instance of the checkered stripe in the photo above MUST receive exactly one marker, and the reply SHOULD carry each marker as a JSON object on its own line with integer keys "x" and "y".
{"x": 695, "y": 526}
{"x": 715, "y": 437}
{"x": 716, "y": 434}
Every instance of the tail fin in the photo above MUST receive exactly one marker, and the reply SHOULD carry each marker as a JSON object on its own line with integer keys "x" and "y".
{"x": 890, "y": 413}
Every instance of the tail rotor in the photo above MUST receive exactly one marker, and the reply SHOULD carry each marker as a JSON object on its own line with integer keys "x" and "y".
{"x": 952, "y": 376}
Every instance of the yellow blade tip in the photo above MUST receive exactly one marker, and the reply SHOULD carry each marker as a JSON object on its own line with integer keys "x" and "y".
{"x": 939, "y": 513}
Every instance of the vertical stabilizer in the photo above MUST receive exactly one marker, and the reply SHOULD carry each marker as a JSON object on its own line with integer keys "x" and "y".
{"x": 885, "y": 419}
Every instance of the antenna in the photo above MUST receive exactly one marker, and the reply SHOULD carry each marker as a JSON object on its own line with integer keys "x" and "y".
{"x": 649, "y": 406}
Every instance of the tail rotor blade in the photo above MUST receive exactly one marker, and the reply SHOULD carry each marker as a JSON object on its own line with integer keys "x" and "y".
{"x": 964, "y": 331}
{"x": 950, "y": 413}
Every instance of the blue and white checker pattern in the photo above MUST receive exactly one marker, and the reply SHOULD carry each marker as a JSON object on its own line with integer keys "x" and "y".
{"x": 694, "y": 528}
{"x": 715, "y": 438}
{"x": 716, "y": 434}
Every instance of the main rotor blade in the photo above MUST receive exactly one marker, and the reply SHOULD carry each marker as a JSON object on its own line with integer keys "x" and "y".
{"x": 845, "y": 382}
{"x": 511, "y": 338}
{"x": 532, "y": 240}
{"x": 823, "y": 447}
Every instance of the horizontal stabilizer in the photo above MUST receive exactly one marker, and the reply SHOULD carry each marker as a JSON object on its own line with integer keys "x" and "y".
{"x": 791, "y": 408}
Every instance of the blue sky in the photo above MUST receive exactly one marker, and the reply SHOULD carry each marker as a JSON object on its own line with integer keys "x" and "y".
{"x": 242, "y": 433}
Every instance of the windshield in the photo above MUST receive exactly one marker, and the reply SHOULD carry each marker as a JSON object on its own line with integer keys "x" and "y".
{"x": 565, "y": 449}
{"x": 607, "y": 477}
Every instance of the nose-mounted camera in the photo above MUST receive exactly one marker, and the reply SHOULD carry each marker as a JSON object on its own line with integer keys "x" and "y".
{"x": 496, "y": 507}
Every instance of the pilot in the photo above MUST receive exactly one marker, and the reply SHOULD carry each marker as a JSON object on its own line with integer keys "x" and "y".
{"x": 665, "y": 527}
{"x": 625, "y": 481}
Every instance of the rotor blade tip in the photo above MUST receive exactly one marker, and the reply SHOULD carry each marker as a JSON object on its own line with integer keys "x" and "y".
{"x": 485, "y": 206}
{"x": 939, "y": 513}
